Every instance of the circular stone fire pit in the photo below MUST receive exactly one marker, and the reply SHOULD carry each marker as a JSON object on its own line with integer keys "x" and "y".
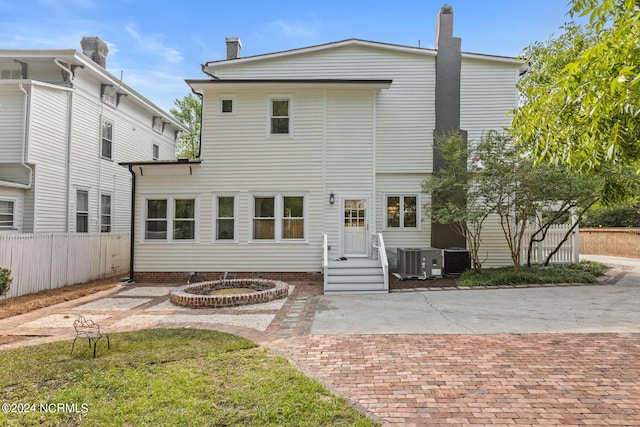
{"x": 229, "y": 293}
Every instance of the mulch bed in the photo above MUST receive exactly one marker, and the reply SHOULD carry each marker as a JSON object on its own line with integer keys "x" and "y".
{"x": 397, "y": 284}
{"x": 26, "y": 303}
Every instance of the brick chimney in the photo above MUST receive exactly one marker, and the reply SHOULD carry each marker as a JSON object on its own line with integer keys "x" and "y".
{"x": 233, "y": 47}
{"x": 96, "y": 49}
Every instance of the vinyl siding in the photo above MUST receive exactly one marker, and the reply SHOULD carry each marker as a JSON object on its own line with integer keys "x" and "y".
{"x": 494, "y": 251}
{"x": 487, "y": 95}
{"x": 330, "y": 150}
{"x": 11, "y": 124}
{"x": 47, "y": 150}
{"x": 405, "y": 114}
{"x": 402, "y": 184}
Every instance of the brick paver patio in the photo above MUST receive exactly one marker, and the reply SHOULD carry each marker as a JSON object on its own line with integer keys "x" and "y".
{"x": 529, "y": 379}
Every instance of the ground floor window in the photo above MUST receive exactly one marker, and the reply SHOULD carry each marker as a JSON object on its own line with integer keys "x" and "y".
{"x": 225, "y": 211}
{"x": 174, "y": 214}
{"x": 279, "y": 217}
{"x": 402, "y": 211}
{"x": 82, "y": 211}
{"x": 105, "y": 213}
{"x": 6, "y": 214}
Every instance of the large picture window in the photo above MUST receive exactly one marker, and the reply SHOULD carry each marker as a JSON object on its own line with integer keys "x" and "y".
{"x": 402, "y": 211}
{"x": 279, "y": 217}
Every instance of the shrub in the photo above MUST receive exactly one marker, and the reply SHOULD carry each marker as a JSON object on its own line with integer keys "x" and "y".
{"x": 5, "y": 280}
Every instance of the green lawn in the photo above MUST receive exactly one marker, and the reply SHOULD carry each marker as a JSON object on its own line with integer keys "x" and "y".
{"x": 164, "y": 377}
{"x": 582, "y": 272}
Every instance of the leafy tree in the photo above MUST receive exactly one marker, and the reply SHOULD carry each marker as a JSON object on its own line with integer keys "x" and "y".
{"x": 456, "y": 199}
{"x": 189, "y": 113}
{"x": 581, "y": 95}
{"x": 614, "y": 216}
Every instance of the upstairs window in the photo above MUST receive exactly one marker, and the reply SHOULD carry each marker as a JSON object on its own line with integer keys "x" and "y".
{"x": 106, "y": 149}
{"x": 11, "y": 74}
{"x": 157, "y": 124}
{"x": 6, "y": 214}
{"x": 280, "y": 116}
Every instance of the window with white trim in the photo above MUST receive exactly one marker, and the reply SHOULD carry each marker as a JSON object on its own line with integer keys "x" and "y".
{"x": 279, "y": 217}
{"x": 156, "y": 220}
{"x": 157, "y": 124}
{"x": 156, "y": 151}
{"x": 105, "y": 213}
{"x": 11, "y": 73}
{"x": 106, "y": 149}
{"x": 184, "y": 222}
{"x": 7, "y": 219}
{"x": 82, "y": 211}
{"x": 227, "y": 104}
{"x": 280, "y": 116}
{"x": 402, "y": 211}
{"x": 225, "y": 210}
{"x": 170, "y": 219}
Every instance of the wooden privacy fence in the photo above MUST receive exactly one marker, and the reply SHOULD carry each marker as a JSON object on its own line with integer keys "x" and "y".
{"x": 623, "y": 242}
{"x": 49, "y": 261}
{"x": 568, "y": 253}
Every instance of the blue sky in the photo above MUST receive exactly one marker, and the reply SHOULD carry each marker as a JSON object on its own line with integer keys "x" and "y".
{"x": 158, "y": 44}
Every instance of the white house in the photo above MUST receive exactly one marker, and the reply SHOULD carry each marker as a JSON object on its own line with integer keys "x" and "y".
{"x": 331, "y": 140}
{"x": 65, "y": 122}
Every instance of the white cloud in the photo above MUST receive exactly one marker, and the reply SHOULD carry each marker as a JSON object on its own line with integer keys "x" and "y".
{"x": 297, "y": 29}
{"x": 152, "y": 43}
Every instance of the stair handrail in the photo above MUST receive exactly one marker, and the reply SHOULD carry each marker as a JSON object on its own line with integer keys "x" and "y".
{"x": 325, "y": 260}
{"x": 384, "y": 261}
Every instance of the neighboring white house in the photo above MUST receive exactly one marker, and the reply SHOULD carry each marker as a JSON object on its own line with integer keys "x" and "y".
{"x": 331, "y": 140}
{"x": 65, "y": 122}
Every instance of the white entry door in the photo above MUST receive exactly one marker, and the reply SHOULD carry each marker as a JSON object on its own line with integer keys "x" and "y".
{"x": 355, "y": 227}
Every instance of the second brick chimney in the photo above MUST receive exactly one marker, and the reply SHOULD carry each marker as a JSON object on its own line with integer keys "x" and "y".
{"x": 233, "y": 47}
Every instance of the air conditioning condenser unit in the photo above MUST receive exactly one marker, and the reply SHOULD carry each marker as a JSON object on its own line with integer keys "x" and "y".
{"x": 419, "y": 263}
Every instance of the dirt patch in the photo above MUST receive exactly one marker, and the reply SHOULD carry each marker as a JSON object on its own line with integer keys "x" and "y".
{"x": 26, "y": 303}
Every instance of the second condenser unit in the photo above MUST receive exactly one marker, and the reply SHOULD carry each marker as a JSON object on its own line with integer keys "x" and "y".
{"x": 419, "y": 263}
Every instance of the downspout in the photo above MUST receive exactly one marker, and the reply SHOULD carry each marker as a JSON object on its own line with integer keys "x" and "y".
{"x": 25, "y": 130}
{"x": 133, "y": 222}
{"x": 68, "y": 165}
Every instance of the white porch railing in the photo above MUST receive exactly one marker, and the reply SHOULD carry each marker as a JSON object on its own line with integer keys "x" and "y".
{"x": 325, "y": 259}
{"x": 53, "y": 260}
{"x": 381, "y": 252}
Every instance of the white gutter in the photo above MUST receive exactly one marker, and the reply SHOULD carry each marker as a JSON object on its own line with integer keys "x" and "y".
{"x": 25, "y": 130}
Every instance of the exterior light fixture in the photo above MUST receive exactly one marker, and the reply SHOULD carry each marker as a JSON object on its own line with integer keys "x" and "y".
{"x": 332, "y": 198}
